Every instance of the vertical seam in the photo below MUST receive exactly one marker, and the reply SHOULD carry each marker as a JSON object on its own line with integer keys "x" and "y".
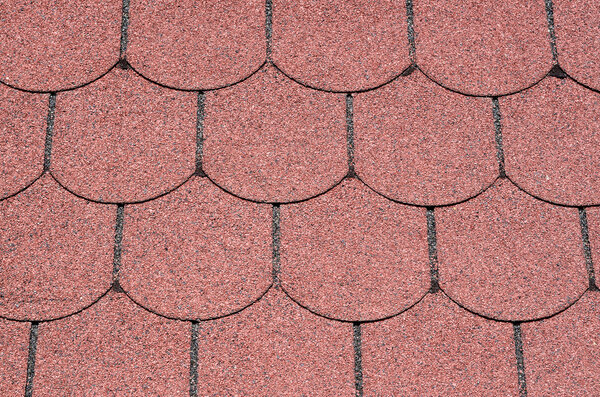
{"x": 276, "y": 240}
{"x": 118, "y": 247}
{"x": 49, "y": 131}
{"x": 410, "y": 22}
{"x": 194, "y": 359}
{"x": 518, "y": 337}
{"x": 498, "y": 136}
{"x": 124, "y": 28}
{"x": 33, "y": 337}
{"x": 551, "y": 32}
{"x": 200, "y": 114}
{"x": 432, "y": 246}
{"x": 269, "y": 28}
{"x": 358, "y": 373}
{"x": 587, "y": 251}
{"x": 350, "y": 134}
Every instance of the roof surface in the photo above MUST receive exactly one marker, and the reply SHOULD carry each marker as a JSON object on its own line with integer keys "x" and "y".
{"x": 299, "y": 197}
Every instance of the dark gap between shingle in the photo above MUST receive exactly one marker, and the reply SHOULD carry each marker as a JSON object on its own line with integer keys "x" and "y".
{"x": 432, "y": 244}
{"x": 276, "y": 243}
{"x": 49, "y": 131}
{"x": 498, "y": 128}
{"x": 520, "y": 360}
{"x": 269, "y": 27}
{"x": 410, "y": 19}
{"x": 124, "y": 28}
{"x": 200, "y": 134}
{"x": 557, "y": 72}
{"x": 118, "y": 247}
{"x": 358, "y": 375}
{"x": 33, "y": 337}
{"x": 123, "y": 64}
{"x": 551, "y": 33}
{"x": 409, "y": 70}
{"x": 194, "y": 360}
{"x": 587, "y": 252}
{"x": 350, "y": 134}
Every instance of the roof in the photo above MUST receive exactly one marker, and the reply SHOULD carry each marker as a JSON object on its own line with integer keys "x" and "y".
{"x": 299, "y": 197}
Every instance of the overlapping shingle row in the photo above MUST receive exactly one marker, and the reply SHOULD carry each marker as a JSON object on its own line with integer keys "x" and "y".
{"x": 339, "y": 208}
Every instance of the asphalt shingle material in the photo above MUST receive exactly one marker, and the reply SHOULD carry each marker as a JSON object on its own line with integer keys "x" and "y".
{"x": 289, "y": 197}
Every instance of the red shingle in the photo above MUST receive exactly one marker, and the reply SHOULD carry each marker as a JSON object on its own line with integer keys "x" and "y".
{"x": 275, "y": 348}
{"x": 22, "y": 137}
{"x": 438, "y": 349}
{"x": 509, "y": 256}
{"x": 562, "y": 354}
{"x": 550, "y": 141}
{"x": 351, "y": 254}
{"x": 123, "y": 139}
{"x": 419, "y": 143}
{"x": 113, "y": 348}
{"x": 196, "y": 44}
{"x": 482, "y": 48}
{"x": 309, "y": 105}
{"x": 339, "y": 45}
{"x": 57, "y": 252}
{"x": 270, "y": 139}
{"x": 54, "y": 45}
{"x": 197, "y": 252}
{"x": 14, "y": 346}
{"x": 578, "y": 39}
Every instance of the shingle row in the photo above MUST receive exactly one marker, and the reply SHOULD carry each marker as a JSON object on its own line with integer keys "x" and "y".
{"x": 478, "y": 48}
{"x": 122, "y": 139}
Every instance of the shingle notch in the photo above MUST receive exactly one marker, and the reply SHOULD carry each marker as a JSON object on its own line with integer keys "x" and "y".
{"x": 200, "y": 114}
{"x": 432, "y": 245}
{"x": 551, "y": 32}
{"x": 124, "y": 28}
{"x": 520, "y": 360}
{"x": 49, "y": 131}
{"x": 410, "y": 18}
{"x": 358, "y": 373}
{"x": 33, "y": 337}
{"x": 276, "y": 235}
{"x": 194, "y": 359}
{"x": 587, "y": 252}
{"x": 498, "y": 128}
{"x": 118, "y": 247}
{"x": 350, "y": 134}
{"x": 557, "y": 72}
{"x": 269, "y": 27}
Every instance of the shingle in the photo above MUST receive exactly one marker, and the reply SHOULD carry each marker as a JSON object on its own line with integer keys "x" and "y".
{"x": 113, "y": 348}
{"x": 278, "y": 197}
{"x": 198, "y": 44}
{"x": 551, "y": 141}
{"x": 14, "y": 342}
{"x": 339, "y": 45}
{"x": 351, "y": 254}
{"x": 421, "y": 144}
{"x": 124, "y": 139}
{"x": 196, "y": 252}
{"x": 56, "y": 252}
{"x": 482, "y": 47}
{"x": 438, "y": 349}
{"x": 55, "y": 45}
{"x": 275, "y": 348}
{"x": 270, "y": 139}
{"x": 509, "y": 256}
{"x": 577, "y": 32}
{"x": 562, "y": 353}
{"x": 22, "y": 137}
